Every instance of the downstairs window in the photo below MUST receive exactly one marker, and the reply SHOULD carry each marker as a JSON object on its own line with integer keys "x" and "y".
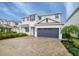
{"x": 27, "y": 29}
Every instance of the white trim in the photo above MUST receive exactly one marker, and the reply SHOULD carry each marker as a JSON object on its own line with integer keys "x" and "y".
{"x": 60, "y": 34}
{"x": 35, "y": 32}
{"x": 54, "y": 26}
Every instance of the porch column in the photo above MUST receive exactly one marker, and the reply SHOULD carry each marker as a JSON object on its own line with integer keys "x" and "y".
{"x": 60, "y": 34}
{"x": 35, "y": 32}
{"x": 29, "y": 30}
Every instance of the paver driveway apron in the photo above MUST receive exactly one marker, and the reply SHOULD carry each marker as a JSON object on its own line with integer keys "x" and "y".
{"x": 32, "y": 46}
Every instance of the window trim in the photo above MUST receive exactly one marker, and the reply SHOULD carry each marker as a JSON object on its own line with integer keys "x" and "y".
{"x": 57, "y": 16}
{"x": 46, "y": 19}
{"x": 39, "y": 17}
{"x": 32, "y": 17}
{"x": 26, "y": 29}
{"x": 27, "y": 18}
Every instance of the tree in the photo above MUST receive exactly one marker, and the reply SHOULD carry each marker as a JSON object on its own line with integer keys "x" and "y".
{"x": 71, "y": 29}
{"x": 2, "y": 29}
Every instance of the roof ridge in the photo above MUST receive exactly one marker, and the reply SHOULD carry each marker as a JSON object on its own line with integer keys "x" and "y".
{"x": 41, "y": 15}
{"x": 49, "y": 14}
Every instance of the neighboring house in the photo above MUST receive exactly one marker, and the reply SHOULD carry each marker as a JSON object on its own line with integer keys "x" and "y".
{"x": 3, "y": 22}
{"x": 41, "y": 25}
{"x": 8, "y": 24}
{"x": 73, "y": 19}
{"x": 12, "y": 25}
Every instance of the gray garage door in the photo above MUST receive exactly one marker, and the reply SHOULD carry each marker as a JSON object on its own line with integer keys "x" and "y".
{"x": 48, "y": 32}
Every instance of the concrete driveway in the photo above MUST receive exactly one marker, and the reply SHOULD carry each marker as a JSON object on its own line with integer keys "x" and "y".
{"x": 30, "y": 46}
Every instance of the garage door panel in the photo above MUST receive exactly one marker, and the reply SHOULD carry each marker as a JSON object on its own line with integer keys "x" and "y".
{"x": 48, "y": 32}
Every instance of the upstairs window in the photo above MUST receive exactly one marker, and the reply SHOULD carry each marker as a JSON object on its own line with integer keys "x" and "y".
{"x": 39, "y": 17}
{"x": 32, "y": 18}
{"x": 27, "y": 18}
{"x": 46, "y": 19}
{"x": 23, "y": 20}
{"x": 56, "y": 16}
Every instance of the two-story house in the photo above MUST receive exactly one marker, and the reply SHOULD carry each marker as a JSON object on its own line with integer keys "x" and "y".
{"x": 41, "y": 25}
{"x": 3, "y": 22}
{"x": 8, "y": 24}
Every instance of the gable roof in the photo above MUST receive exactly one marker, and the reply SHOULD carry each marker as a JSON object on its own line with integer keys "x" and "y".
{"x": 48, "y": 24}
{"x": 72, "y": 14}
{"x": 50, "y": 14}
{"x": 41, "y": 15}
{"x": 48, "y": 19}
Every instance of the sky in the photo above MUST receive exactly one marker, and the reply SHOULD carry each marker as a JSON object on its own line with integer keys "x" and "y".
{"x": 17, "y": 10}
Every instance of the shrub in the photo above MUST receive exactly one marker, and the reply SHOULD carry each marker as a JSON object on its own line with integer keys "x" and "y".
{"x": 76, "y": 43}
{"x": 71, "y": 48}
{"x": 0, "y": 36}
{"x": 64, "y": 35}
{"x": 71, "y": 29}
{"x": 13, "y": 32}
{"x": 4, "y": 36}
{"x": 11, "y": 35}
{"x": 3, "y": 28}
{"x": 22, "y": 34}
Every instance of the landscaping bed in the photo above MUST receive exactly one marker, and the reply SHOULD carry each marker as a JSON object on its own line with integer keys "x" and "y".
{"x": 6, "y": 35}
{"x": 71, "y": 48}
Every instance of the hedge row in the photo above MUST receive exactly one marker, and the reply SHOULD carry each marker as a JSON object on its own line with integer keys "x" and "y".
{"x": 11, "y": 35}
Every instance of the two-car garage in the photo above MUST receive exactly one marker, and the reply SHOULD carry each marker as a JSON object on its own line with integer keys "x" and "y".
{"x": 48, "y": 32}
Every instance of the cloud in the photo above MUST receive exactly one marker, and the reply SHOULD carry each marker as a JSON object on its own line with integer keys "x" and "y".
{"x": 24, "y": 8}
{"x": 70, "y": 7}
{"x": 28, "y": 8}
{"x": 8, "y": 12}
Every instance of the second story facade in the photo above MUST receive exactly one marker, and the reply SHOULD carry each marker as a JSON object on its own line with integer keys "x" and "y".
{"x": 34, "y": 18}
